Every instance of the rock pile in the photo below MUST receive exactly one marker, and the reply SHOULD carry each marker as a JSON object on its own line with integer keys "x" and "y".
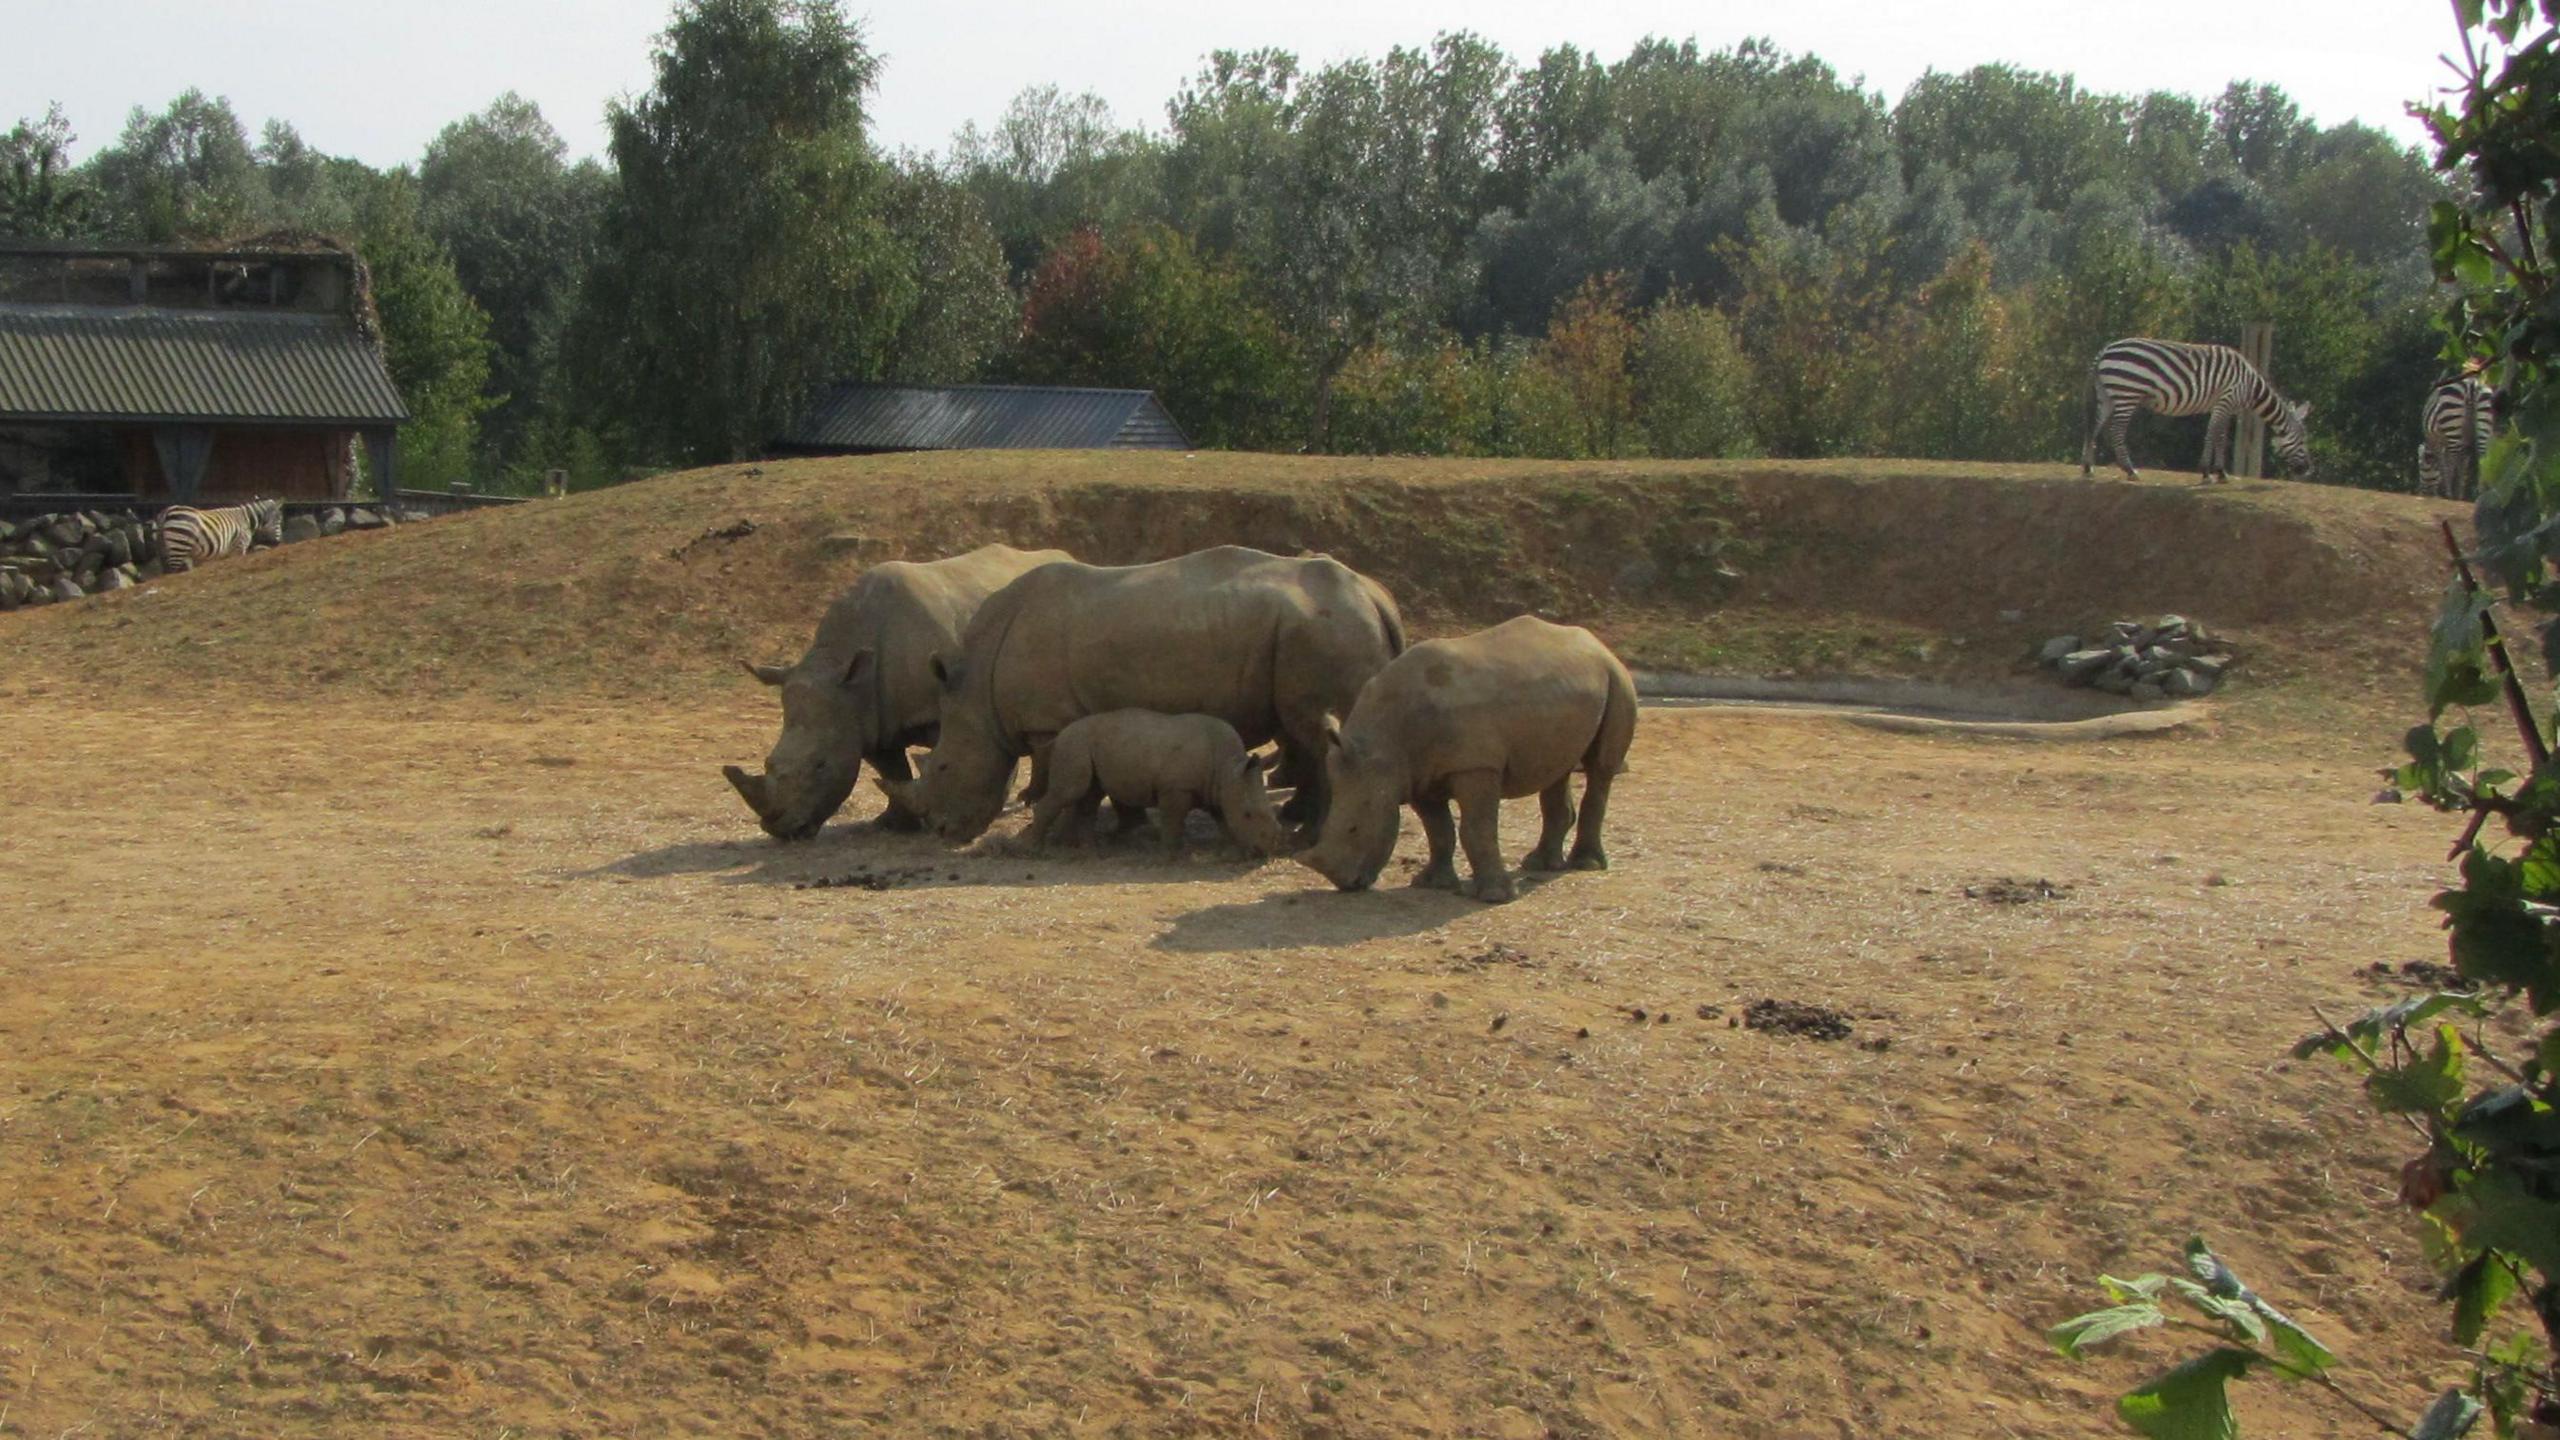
{"x": 76, "y": 553}
{"x": 2171, "y": 658}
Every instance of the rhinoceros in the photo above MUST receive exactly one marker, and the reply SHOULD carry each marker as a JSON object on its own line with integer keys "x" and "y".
{"x": 1174, "y": 763}
{"x": 1274, "y": 646}
{"x": 866, "y": 689}
{"x": 1498, "y": 714}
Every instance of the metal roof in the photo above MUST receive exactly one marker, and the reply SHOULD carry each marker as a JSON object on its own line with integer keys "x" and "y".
{"x": 855, "y": 416}
{"x": 146, "y": 365}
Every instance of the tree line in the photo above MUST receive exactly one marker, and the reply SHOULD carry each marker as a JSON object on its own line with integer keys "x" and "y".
{"x": 1445, "y": 250}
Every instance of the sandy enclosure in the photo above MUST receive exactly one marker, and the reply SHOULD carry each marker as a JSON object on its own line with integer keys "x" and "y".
{"x": 482, "y": 1071}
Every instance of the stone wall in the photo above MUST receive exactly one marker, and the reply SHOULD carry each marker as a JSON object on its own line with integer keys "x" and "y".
{"x": 73, "y": 554}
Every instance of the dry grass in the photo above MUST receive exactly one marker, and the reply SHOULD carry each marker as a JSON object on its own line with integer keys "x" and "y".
{"x": 468, "y": 1065}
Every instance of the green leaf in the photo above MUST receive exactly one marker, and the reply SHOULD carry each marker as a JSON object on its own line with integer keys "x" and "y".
{"x": 2074, "y": 1336}
{"x": 2297, "y": 1345}
{"x": 2239, "y": 1320}
{"x": 2479, "y": 1288}
{"x": 2451, "y": 1416}
{"x": 2369, "y": 1028}
{"x": 2140, "y": 1287}
{"x": 2458, "y": 658}
{"x": 2190, "y": 1401}
{"x": 2497, "y": 1211}
{"x": 2427, "y": 1085}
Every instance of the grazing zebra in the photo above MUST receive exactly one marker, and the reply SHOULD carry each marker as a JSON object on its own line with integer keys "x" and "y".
{"x": 2174, "y": 378}
{"x": 189, "y": 536}
{"x": 2456, "y": 423}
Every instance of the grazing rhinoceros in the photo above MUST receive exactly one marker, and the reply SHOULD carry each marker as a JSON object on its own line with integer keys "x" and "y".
{"x": 866, "y": 689}
{"x": 1274, "y": 646}
{"x": 1502, "y": 713}
{"x": 1139, "y": 759}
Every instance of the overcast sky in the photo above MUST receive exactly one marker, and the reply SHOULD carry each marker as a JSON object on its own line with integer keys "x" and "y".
{"x": 377, "y": 81}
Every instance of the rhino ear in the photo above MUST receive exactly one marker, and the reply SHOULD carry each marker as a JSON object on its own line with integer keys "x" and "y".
{"x": 859, "y": 666}
{"x": 945, "y": 673}
{"x": 769, "y": 674}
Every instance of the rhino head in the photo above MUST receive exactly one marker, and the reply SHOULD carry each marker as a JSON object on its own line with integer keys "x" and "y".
{"x": 1362, "y": 813}
{"x": 1244, "y": 803}
{"x": 827, "y": 717}
{"x": 959, "y": 786}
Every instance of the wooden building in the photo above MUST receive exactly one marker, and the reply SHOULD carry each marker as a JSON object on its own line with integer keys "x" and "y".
{"x": 182, "y": 375}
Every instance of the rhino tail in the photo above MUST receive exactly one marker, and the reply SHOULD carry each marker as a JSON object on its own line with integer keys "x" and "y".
{"x": 1390, "y": 619}
{"x": 1608, "y": 753}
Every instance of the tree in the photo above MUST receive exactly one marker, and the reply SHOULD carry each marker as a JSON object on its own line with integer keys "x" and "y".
{"x": 41, "y": 197}
{"x": 1693, "y": 383}
{"x": 435, "y": 340}
{"x": 186, "y": 173}
{"x": 497, "y": 192}
{"x": 959, "y": 313}
{"x": 1053, "y": 164}
{"x": 743, "y": 255}
{"x": 1590, "y": 216}
{"x": 1587, "y": 348}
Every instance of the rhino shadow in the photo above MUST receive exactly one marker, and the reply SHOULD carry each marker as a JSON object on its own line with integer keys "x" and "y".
{"x": 1318, "y": 915}
{"x": 846, "y": 855}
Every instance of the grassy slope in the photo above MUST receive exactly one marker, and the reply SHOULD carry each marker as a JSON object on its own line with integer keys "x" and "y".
{"x": 1870, "y": 567}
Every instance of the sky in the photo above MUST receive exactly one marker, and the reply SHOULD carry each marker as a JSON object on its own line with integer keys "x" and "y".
{"x": 377, "y": 81}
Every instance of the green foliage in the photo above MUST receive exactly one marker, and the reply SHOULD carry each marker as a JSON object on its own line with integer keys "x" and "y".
{"x": 1693, "y": 383}
{"x": 435, "y": 339}
{"x": 743, "y": 256}
{"x": 497, "y": 191}
{"x": 187, "y": 173}
{"x": 41, "y": 197}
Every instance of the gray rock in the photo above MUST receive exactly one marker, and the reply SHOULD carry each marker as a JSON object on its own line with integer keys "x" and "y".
{"x": 2114, "y": 682}
{"x": 112, "y": 580}
{"x": 2387, "y": 795}
{"x": 38, "y": 543}
{"x": 2056, "y": 649}
{"x": 2147, "y": 691}
{"x": 119, "y": 548}
{"x": 332, "y": 520}
{"x": 2186, "y": 684}
{"x": 301, "y": 527}
{"x": 66, "y": 531}
{"x": 2081, "y": 666}
{"x": 8, "y": 532}
{"x": 362, "y": 519}
{"x": 2208, "y": 666}
{"x": 2170, "y": 625}
{"x": 2013, "y": 617}
{"x": 67, "y": 589}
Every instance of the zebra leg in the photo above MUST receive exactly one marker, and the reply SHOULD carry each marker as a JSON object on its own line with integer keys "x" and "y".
{"x": 2119, "y": 425}
{"x": 2210, "y": 467}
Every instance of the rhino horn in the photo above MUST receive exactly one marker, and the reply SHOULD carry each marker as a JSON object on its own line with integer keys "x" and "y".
{"x": 750, "y": 788}
{"x": 769, "y": 674}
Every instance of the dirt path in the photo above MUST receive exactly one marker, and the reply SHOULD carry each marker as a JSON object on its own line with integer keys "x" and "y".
{"x": 484, "y": 1072}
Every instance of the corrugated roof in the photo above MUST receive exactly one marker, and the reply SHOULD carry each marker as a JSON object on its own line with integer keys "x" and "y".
{"x": 853, "y": 416}
{"x": 132, "y": 363}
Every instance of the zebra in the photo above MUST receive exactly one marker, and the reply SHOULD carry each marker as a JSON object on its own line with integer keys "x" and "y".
{"x": 2171, "y": 377}
{"x": 2455, "y": 423}
{"x": 189, "y": 536}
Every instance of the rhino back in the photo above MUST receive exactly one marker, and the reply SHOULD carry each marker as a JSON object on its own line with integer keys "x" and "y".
{"x": 907, "y": 612}
{"x": 1526, "y": 698}
{"x": 1229, "y": 632}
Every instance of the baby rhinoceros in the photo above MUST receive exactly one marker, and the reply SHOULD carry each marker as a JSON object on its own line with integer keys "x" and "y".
{"x": 1505, "y": 712}
{"x": 1139, "y": 759}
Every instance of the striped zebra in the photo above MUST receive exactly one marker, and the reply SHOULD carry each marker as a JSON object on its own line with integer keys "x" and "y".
{"x": 2455, "y": 423}
{"x": 2170, "y": 377}
{"x": 189, "y": 536}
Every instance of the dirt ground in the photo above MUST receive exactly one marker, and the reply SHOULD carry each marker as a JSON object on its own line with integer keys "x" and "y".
{"x": 478, "y": 1069}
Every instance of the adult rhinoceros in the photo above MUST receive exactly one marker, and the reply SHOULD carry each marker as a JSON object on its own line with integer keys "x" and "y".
{"x": 866, "y": 689}
{"x": 1274, "y": 646}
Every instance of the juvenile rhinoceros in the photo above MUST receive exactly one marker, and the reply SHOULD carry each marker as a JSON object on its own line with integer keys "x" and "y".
{"x": 1173, "y": 764}
{"x": 1273, "y": 646}
{"x": 1502, "y": 713}
{"x": 866, "y": 689}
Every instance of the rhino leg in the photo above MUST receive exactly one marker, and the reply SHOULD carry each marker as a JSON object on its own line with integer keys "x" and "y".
{"x": 1173, "y": 814}
{"x": 1588, "y": 853}
{"x": 1126, "y": 818}
{"x": 1302, "y": 761}
{"x": 1440, "y": 871}
{"x": 1479, "y": 797}
{"x": 1555, "y": 811}
{"x": 892, "y": 765}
